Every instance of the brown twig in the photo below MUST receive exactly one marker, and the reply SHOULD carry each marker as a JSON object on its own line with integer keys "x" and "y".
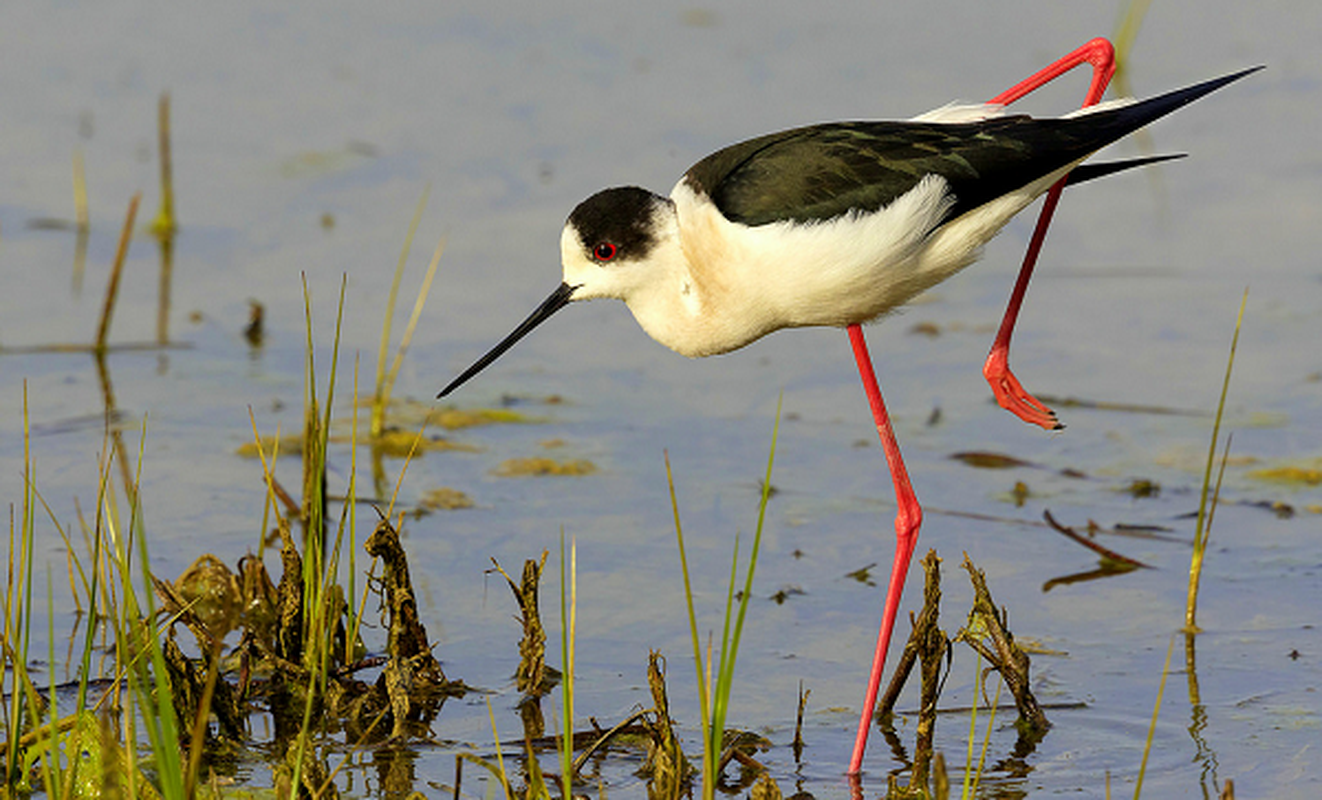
{"x": 988, "y": 634}
{"x": 1092, "y": 545}
{"x": 112, "y": 289}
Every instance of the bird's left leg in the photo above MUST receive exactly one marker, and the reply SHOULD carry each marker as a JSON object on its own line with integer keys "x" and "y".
{"x": 1009, "y": 393}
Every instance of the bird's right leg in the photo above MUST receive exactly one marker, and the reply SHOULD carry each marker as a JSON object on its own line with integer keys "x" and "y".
{"x": 1009, "y": 393}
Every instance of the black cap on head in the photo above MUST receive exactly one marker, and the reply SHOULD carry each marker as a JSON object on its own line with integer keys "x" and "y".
{"x": 621, "y": 216}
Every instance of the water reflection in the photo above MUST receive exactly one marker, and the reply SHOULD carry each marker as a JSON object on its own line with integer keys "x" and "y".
{"x": 82, "y": 222}
{"x": 114, "y": 431}
{"x": 1204, "y": 755}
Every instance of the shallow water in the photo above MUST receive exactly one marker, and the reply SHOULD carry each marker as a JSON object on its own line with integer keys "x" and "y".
{"x": 512, "y": 114}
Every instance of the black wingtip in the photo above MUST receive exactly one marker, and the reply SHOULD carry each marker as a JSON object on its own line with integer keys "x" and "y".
{"x": 1109, "y": 124}
{"x": 1207, "y": 87}
{"x": 1145, "y": 111}
{"x": 1234, "y": 76}
{"x": 1088, "y": 172}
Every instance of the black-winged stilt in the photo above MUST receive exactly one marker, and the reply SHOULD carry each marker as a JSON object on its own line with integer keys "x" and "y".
{"x": 835, "y": 225}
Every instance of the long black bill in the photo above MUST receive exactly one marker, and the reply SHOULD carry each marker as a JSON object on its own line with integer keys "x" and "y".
{"x": 558, "y": 300}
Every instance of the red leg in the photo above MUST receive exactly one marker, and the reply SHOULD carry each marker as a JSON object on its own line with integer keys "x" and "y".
{"x": 909, "y": 514}
{"x": 1009, "y": 393}
{"x": 908, "y": 519}
{"x": 1099, "y": 52}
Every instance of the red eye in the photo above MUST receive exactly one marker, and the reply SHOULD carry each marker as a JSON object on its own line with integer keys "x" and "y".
{"x": 605, "y": 251}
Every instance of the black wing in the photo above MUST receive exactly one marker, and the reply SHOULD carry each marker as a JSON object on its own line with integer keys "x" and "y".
{"x": 822, "y": 171}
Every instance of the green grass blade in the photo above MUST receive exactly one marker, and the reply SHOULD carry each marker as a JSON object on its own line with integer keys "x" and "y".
{"x": 986, "y": 739}
{"x": 154, "y": 693}
{"x": 384, "y": 390}
{"x": 721, "y": 691}
{"x": 500, "y": 757}
{"x": 568, "y": 637}
{"x": 393, "y": 297}
{"x": 967, "y": 790}
{"x": 54, "y": 776}
{"x": 1203, "y": 528}
{"x": 725, "y": 681}
{"x": 704, "y": 711}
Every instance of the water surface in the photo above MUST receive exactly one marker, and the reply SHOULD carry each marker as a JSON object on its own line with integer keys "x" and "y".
{"x": 512, "y": 114}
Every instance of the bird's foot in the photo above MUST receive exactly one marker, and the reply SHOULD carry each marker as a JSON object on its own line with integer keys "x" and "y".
{"x": 1013, "y": 397}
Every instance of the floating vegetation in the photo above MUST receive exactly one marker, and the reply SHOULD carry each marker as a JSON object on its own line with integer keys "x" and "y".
{"x": 270, "y": 446}
{"x": 543, "y": 467}
{"x": 316, "y": 163}
{"x": 1018, "y": 494}
{"x": 399, "y": 443}
{"x": 392, "y": 443}
{"x": 444, "y": 499}
{"x": 987, "y": 460}
{"x": 1289, "y": 476}
{"x": 456, "y": 419}
{"x": 1141, "y": 487}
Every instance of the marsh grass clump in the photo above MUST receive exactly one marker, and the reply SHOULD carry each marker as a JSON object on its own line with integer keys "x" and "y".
{"x": 146, "y": 695}
{"x": 291, "y": 662}
{"x": 928, "y": 647}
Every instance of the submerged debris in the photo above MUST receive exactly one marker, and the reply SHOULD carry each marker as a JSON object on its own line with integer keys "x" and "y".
{"x": 784, "y": 593}
{"x": 392, "y": 443}
{"x": 863, "y": 574}
{"x": 403, "y": 443}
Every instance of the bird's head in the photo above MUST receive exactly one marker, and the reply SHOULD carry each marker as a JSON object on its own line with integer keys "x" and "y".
{"x": 612, "y": 246}
{"x": 614, "y": 242}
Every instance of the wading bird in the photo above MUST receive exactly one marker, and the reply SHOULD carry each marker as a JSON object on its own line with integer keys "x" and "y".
{"x": 835, "y": 225}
